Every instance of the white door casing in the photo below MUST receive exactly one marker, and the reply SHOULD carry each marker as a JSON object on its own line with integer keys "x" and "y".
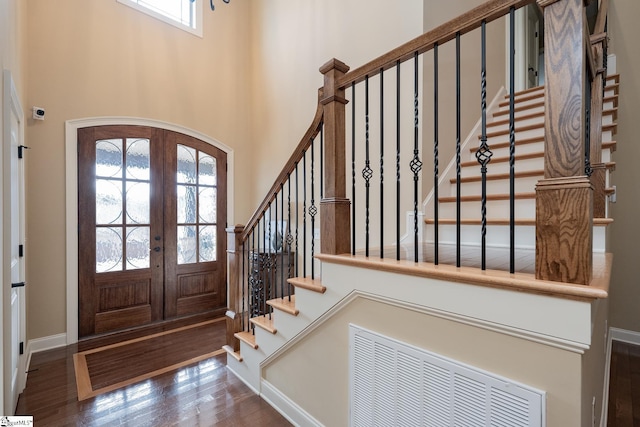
{"x": 13, "y": 268}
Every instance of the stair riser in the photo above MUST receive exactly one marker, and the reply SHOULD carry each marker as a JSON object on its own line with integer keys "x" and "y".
{"x": 520, "y": 103}
{"x": 525, "y": 208}
{"x": 249, "y": 369}
{"x": 498, "y": 236}
{"x": 502, "y": 115}
{"x": 519, "y": 123}
{"x": 501, "y": 186}
{"x": 533, "y": 133}
{"x": 268, "y": 342}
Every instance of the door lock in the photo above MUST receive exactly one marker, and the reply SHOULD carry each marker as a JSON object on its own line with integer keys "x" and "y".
{"x": 156, "y": 249}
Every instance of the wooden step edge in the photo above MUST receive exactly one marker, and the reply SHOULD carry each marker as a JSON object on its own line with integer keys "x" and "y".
{"x": 613, "y": 127}
{"x": 614, "y": 87}
{"x": 527, "y": 91}
{"x": 504, "y": 221}
{"x": 490, "y": 197}
{"x": 525, "y": 282}
{"x": 519, "y": 108}
{"x": 523, "y": 117}
{"x": 611, "y": 145}
{"x": 519, "y": 142}
{"x": 236, "y": 354}
{"x": 247, "y": 338}
{"x": 613, "y": 78}
{"x": 504, "y": 159}
{"x": 265, "y": 323}
{"x": 613, "y": 99}
{"x": 500, "y": 176}
{"x": 525, "y": 98}
{"x": 611, "y": 166}
{"x": 284, "y": 305}
{"x": 307, "y": 283}
{"x": 534, "y": 126}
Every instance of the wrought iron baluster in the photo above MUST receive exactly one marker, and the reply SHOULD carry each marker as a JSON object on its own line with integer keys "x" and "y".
{"x": 312, "y": 209}
{"x": 297, "y": 262}
{"x": 367, "y": 173}
{"x": 416, "y": 163}
{"x": 398, "y": 160}
{"x": 321, "y": 161}
{"x": 435, "y": 154}
{"x": 381, "y": 162}
{"x": 483, "y": 155}
{"x": 353, "y": 168}
{"x": 512, "y": 142}
{"x": 304, "y": 214}
{"x": 253, "y": 278}
{"x": 268, "y": 293}
{"x": 587, "y": 138}
{"x": 289, "y": 236}
{"x": 458, "y": 149}
{"x": 244, "y": 291}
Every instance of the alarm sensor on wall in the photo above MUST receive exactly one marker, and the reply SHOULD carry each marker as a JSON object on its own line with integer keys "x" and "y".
{"x": 38, "y": 113}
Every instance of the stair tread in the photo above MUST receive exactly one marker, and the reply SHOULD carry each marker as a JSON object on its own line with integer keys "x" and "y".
{"x": 527, "y": 97}
{"x": 519, "y": 141}
{"x": 505, "y": 159}
{"x": 286, "y": 304}
{"x": 519, "y": 108}
{"x": 236, "y": 354}
{"x": 523, "y": 117}
{"x": 499, "y": 176}
{"x": 247, "y": 337}
{"x": 265, "y": 322}
{"x": 533, "y": 126}
{"x": 504, "y": 221}
{"x": 527, "y": 91}
{"x": 476, "y": 198}
{"x": 308, "y": 283}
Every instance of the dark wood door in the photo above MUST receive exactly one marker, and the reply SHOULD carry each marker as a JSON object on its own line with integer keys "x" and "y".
{"x": 151, "y": 215}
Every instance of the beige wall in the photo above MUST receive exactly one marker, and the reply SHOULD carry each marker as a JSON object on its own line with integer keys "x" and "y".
{"x": 101, "y": 58}
{"x": 625, "y": 290}
{"x": 321, "y": 360}
{"x": 291, "y": 40}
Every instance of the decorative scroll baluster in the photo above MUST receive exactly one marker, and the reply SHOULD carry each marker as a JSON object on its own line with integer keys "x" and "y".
{"x": 321, "y": 162}
{"x": 435, "y": 153}
{"x": 398, "y": 160}
{"x": 297, "y": 221}
{"x": 382, "y": 163}
{"x": 587, "y": 136}
{"x": 512, "y": 143}
{"x": 353, "y": 168}
{"x": 289, "y": 236}
{"x": 415, "y": 164}
{"x": 304, "y": 214}
{"x": 244, "y": 292}
{"x": 458, "y": 153}
{"x": 367, "y": 173}
{"x": 312, "y": 210}
{"x": 484, "y": 153}
{"x": 269, "y": 269}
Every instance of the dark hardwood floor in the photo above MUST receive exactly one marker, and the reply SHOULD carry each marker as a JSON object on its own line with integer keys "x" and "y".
{"x": 624, "y": 386}
{"x": 202, "y": 394}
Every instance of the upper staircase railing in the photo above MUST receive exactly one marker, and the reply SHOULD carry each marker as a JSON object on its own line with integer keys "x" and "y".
{"x": 279, "y": 241}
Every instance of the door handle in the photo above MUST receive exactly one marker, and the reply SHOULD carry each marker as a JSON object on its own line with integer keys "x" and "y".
{"x": 157, "y": 249}
{"x": 18, "y": 285}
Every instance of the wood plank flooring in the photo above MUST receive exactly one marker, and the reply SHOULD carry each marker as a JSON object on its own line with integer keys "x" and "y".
{"x": 202, "y": 394}
{"x": 624, "y": 386}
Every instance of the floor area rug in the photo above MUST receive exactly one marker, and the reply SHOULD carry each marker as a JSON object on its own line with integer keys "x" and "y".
{"x": 111, "y": 367}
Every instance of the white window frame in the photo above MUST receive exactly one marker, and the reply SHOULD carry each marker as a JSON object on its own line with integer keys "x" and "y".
{"x": 198, "y": 16}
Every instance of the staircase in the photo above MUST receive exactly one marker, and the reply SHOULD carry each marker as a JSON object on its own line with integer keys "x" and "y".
{"x": 529, "y": 169}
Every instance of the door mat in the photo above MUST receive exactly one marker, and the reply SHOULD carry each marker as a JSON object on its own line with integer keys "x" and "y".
{"x": 111, "y": 367}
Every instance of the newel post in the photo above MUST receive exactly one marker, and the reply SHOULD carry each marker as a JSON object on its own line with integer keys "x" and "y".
{"x": 564, "y": 198}
{"x": 234, "y": 292}
{"x": 335, "y": 223}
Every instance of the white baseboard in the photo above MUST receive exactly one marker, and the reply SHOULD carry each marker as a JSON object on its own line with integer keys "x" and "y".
{"x": 45, "y": 343}
{"x": 286, "y": 407}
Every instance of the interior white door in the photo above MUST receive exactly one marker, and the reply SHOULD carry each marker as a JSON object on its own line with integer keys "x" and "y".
{"x": 533, "y": 46}
{"x": 13, "y": 232}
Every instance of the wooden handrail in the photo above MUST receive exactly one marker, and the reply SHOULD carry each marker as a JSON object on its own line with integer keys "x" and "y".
{"x": 288, "y": 168}
{"x": 464, "y": 23}
{"x": 601, "y": 19}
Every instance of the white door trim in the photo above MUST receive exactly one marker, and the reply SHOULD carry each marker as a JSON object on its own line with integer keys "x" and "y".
{"x": 71, "y": 156}
{"x": 11, "y": 107}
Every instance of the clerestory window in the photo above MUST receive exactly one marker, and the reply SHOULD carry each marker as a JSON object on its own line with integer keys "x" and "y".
{"x": 184, "y": 14}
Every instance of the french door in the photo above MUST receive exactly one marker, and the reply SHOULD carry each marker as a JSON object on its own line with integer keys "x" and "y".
{"x": 151, "y": 215}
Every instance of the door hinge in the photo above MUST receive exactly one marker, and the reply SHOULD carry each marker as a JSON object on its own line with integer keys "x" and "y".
{"x": 20, "y": 251}
{"x": 21, "y": 149}
{"x": 21, "y": 348}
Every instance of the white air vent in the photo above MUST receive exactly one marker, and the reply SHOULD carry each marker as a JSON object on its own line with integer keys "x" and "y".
{"x": 395, "y": 384}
